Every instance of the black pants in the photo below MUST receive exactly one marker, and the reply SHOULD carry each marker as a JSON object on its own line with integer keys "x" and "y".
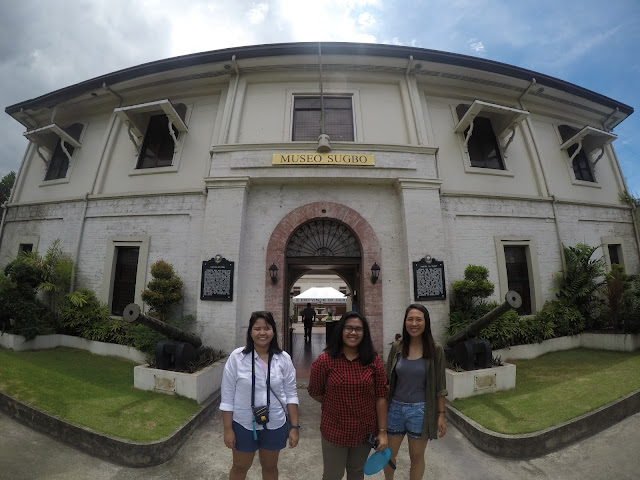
{"x": 307, "y": 331}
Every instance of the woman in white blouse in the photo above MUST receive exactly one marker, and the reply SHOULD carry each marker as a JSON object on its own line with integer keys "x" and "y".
{"x": 259, "y": 375}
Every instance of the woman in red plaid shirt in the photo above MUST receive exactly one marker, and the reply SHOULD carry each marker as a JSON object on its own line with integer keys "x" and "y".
{"x": 349, "y": 380}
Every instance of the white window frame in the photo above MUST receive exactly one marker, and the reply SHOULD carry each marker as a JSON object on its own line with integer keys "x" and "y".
{"x": 532, "y": 267}
{"x": 47, "y": 138}
{"x": 504, "y": 121}
{"x": 618, "y": 241}
{"x": 589, "y": 140}
{"x": 355, "y": 111}
{"x": 142, "y": 242}
{"x": 136, "y": 120}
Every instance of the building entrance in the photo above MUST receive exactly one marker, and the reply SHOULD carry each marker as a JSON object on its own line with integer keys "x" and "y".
{"x": 331, "y": 290}
{"x": 323, "y": 239}
{"x": 319, "y": 249}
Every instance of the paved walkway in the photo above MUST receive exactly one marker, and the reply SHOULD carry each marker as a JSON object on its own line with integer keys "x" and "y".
{"x": 304, "y": 353}
{"x": 28, "y": 455}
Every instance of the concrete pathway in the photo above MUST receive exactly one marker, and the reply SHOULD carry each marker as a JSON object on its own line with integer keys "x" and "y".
{"x": 27, "y": 455}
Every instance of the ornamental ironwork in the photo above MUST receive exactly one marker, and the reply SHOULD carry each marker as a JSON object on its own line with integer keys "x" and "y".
{"x": 323, "y": 238}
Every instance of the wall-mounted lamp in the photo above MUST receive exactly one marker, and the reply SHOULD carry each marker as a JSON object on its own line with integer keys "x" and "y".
{"x": 324, "y": 145}
{"x": 375, "y": 273}
{"x": 273, "y": 273}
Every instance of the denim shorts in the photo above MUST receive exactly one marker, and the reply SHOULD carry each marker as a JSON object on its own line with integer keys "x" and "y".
{"x": 405, "y": 418}
{"x": 267, "y": 439}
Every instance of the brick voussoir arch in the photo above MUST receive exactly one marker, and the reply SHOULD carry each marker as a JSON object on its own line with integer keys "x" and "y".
{"x": 275, "y": 294}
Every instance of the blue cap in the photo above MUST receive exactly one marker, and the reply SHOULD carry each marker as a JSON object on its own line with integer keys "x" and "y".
{"x": 377, "y": 461}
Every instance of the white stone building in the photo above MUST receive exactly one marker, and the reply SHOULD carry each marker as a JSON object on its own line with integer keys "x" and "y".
{"x": 463, "y": 159}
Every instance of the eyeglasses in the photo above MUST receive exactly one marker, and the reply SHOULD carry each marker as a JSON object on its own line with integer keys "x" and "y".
{"x": 350, "y": 329}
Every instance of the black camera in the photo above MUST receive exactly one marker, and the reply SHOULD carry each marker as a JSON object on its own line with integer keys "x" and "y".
{"x": 372, "y": 440}
{"x": 261, "y": 415}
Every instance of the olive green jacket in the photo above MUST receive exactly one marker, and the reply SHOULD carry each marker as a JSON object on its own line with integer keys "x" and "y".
{"x": 436, "y": 386}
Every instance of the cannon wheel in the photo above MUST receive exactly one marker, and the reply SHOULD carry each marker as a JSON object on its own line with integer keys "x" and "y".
{"x": 131, "y": 313}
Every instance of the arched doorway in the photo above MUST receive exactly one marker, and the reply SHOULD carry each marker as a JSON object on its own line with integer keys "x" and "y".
{"x": 324, "y": 236}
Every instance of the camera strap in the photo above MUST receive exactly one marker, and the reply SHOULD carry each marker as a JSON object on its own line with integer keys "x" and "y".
{"x": 253, "y": 388}
{"x": 253, "y": 379}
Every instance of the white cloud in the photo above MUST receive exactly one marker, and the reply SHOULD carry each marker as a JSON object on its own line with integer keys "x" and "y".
{"x": 257, "y": 13}
{"x": 475, "y": 45}
{"x": 366, "y": 19}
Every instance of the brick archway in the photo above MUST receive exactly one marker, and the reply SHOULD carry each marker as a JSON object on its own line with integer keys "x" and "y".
{"x": 276, "y": 296}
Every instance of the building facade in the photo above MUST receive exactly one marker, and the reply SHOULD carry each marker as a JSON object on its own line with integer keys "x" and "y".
{"x": 346, "y": 159}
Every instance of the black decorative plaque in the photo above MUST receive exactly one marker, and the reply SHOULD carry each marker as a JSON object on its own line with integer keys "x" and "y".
{"x": 217, "y": 279}
{"x": 428, "y": 279}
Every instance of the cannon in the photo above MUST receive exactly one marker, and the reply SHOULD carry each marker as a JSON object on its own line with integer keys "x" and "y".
{"x": 182, "y": 349}
{"x": 476, "y": 353}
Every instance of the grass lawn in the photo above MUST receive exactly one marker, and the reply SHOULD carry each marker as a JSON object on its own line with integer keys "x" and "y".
{"x": 92, "y": 391}
{"x": 554, "y": 388}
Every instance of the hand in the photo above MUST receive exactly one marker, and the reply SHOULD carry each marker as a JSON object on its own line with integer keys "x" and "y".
{"x": 442, "y": 426}
{"x": 383, "y": 441}
{"x": 294, "y": 437}
{"x": 229, "y": 438}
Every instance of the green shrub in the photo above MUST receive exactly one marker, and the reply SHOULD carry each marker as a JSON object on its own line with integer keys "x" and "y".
{"x": 80, "y": 318}
{"x": 502, "y": 332}
{"x": 630, "y": 306}
{"x": 24, "y": 272}
{"x": 533, "y": 329}
{"x": 565, "y": 318}
{"x": 582, "y": 280}
{"x": 83, "y": 315}
{"x": 616, "y": 282}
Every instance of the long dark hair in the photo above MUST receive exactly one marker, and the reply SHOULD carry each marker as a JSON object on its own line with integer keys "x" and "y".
{"x": 365, "y": 348}
{"x": 428, "y": 343}
{"x": 268, "y": 317}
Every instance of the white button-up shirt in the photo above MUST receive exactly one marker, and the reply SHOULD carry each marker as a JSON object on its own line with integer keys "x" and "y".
{"x": 236, "y": 388}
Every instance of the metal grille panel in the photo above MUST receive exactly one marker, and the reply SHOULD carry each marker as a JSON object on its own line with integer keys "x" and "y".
{"x": 518, "y": 276}
{"x": 323, "y": 238}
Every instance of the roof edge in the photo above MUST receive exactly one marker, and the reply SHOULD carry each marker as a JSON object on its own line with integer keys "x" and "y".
{"x": 310, "y": 48}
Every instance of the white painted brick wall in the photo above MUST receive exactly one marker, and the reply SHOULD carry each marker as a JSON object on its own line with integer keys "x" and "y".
{"x": 188, "y": 229}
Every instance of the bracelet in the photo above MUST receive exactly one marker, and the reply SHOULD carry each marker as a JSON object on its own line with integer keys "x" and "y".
{"x": 382, "y": 430}
{"x": 442, "y": 412}
{"x": 295, "y": 426}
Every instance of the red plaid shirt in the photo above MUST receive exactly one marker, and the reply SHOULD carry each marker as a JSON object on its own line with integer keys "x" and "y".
{"x": 349, "y": 391}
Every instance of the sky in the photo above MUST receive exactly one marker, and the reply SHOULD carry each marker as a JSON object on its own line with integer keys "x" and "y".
{"x": 46, "y": 45}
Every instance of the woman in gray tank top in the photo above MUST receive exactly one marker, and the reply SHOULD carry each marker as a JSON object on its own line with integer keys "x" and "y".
{"x": 417, "y": 390}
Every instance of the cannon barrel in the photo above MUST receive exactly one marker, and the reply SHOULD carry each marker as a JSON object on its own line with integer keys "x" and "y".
{"x": 132, "y": 314}
{"x": 511, "y": 300}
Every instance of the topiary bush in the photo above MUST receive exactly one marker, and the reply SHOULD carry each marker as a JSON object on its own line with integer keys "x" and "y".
{"x": 471, "y": 292}
{"x": 164, "y": 291}
{"x": 21, "y": 313}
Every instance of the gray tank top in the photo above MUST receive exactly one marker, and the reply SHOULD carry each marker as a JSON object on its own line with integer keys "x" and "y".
{"x": 410, "y": 386}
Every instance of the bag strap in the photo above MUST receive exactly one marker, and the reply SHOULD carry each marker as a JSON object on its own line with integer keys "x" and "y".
{"x": 253, "y": 380}
{"x": 280, "y": 401}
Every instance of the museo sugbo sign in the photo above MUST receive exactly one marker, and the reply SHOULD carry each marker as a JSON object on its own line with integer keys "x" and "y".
{"x": 354, "y": 159}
